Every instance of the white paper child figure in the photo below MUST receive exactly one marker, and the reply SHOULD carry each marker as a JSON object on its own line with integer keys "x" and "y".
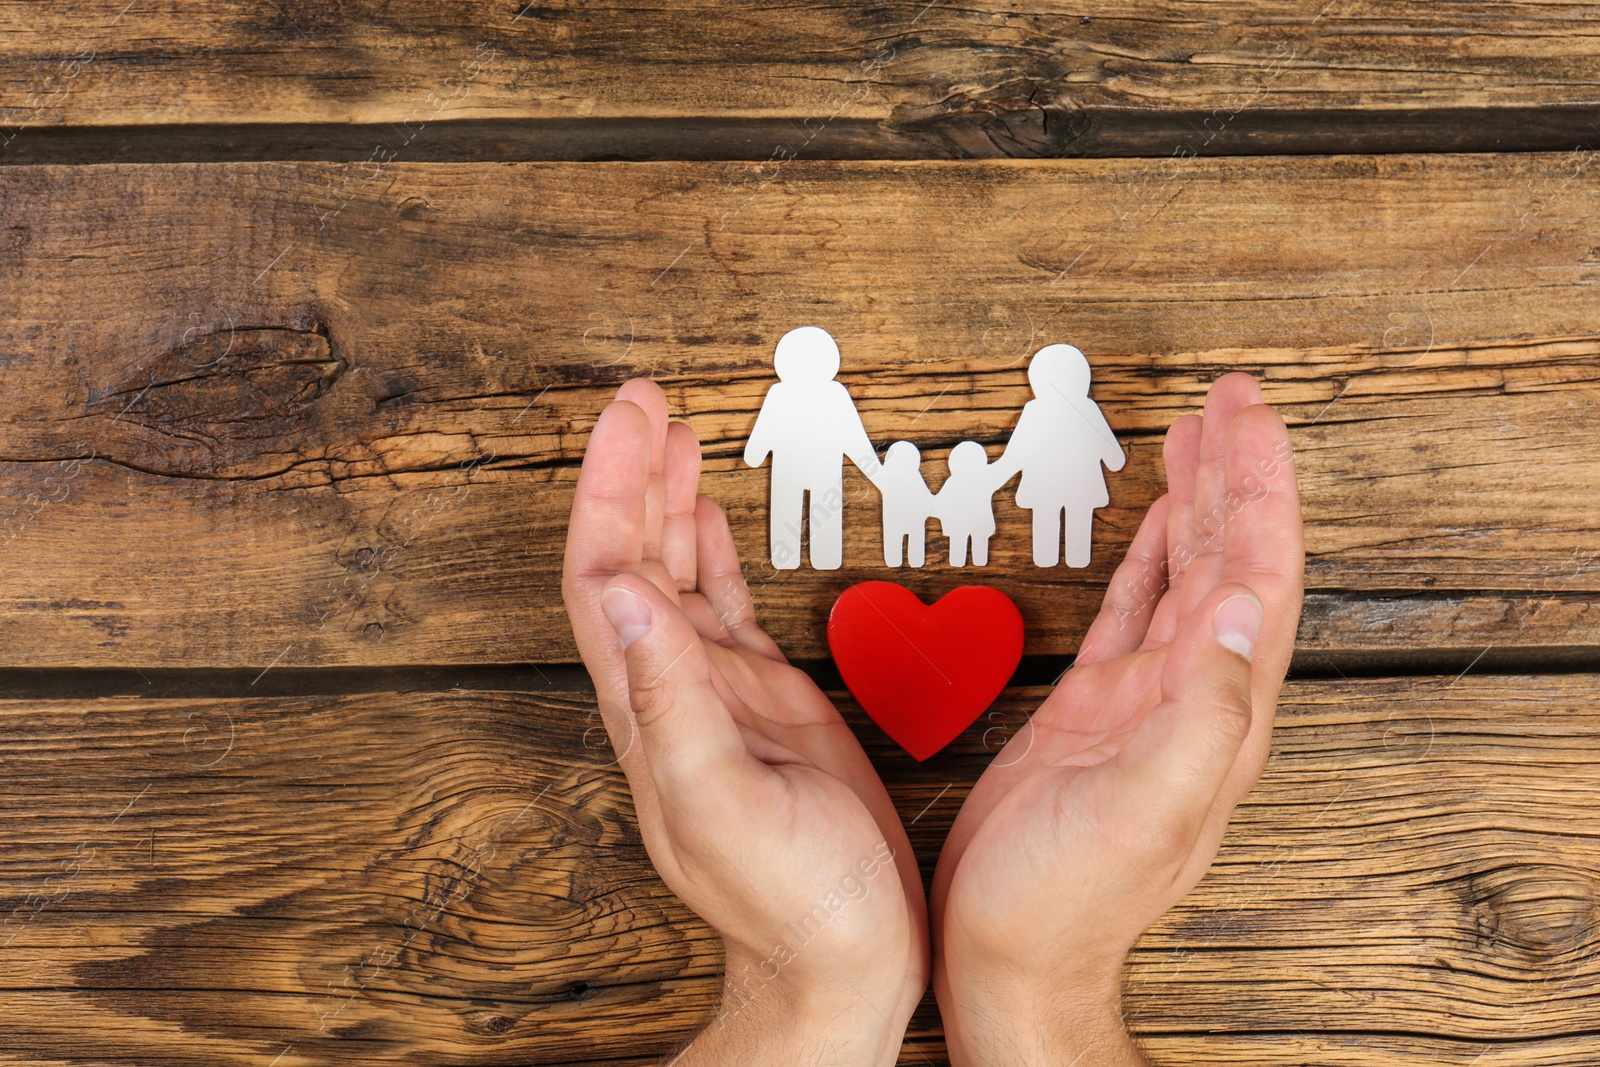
{"x": 809, "y": 424}
{"x": 907, "y": 505}
{"x": 965, "y": 504}
{"x": 1059, "y": 443}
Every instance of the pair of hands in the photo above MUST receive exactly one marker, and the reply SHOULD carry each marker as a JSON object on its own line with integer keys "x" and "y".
{"x": 761, "y": 812}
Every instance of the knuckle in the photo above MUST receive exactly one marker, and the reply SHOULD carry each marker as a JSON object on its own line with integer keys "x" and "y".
{"x": 1167, "y": 842}
{"x": 658, "y": 683}
{"x": 1164, "y": 846}
{"x": 1232, "y": 715}
{"x": 792, "y": 678}
{"x": 651, "y": 699}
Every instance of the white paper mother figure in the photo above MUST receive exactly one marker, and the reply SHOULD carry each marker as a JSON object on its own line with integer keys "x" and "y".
{"x": 809, "y": 424}
{"x": 1059, "y": 443}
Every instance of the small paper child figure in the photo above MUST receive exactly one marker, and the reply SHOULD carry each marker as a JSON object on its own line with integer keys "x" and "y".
{"x": 907, "y": 505}
{"x": 965, "y": 504}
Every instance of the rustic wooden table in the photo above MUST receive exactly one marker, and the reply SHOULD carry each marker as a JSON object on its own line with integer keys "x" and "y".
{"x": 306, "y": 310}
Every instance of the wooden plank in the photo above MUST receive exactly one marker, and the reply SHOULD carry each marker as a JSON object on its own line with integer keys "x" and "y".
{"x": 971, "y": 79}
{"x": 456, "y": 877}
{"x": 260, "y": 414}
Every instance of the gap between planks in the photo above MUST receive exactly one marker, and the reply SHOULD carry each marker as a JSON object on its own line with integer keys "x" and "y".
{"x": 1096, "y": 133}
{"x": 78, "y": 683}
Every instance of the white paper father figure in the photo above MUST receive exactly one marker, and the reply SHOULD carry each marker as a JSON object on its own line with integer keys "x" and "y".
{"x": 1059, "y": 443}
{"x": 809, "y": 425}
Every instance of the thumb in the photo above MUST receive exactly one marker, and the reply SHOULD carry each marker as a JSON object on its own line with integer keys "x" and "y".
{"x": 1174, "y": 767}
{"x": 682, "y": 724}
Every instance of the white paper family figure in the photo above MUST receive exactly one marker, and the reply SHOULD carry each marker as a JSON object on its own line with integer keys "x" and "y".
{"x": 965, "y": 503}
{"x": 1059, "y": 443}
{"x": 907, "y": 505}
{"x": 809, "y": 425}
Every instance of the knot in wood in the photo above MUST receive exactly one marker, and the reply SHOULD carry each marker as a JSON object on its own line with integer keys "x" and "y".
{"x": 1018, "y": 118}
{"x": 1535, "y": 910}
{"x": 216, "y": 397}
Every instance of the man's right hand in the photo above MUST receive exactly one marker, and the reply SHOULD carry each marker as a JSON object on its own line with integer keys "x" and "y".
{"x": 1109, "y": 805}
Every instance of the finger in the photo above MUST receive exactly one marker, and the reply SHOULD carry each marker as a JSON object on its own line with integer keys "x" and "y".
{"x": 703, "y": 617}
{"x": 681, "y": 485}
{"x": 684, "y": 729}
{"x": 1158, "y": 792}
{"x": 1265, "y": 549}
{"x": 649, "y": 398}
{"x": 605, "y": 536}
{"x": 1228, "y": 396}
{"x": 1181, "y": 453}
{"x": 721, "y": 581}
{"x": 1265, "y": 541}
{"x": 1133, "y": 593}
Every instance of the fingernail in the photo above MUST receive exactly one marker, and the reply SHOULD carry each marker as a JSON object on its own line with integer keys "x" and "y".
{"x": 627, "y": 612}
{"x": 1237, "y": 622}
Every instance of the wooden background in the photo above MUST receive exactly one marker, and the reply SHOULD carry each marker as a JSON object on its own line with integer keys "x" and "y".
{"x": 306, "y": 311}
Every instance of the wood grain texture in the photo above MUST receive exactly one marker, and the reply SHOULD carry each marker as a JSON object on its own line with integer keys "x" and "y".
{"x": 973, "y": 79}
{"x": 456, "y": 878}
{"x": 300, "y": 415}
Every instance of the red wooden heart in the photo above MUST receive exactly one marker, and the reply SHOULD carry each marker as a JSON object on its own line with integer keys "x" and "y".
{"x": 924, "y": 672}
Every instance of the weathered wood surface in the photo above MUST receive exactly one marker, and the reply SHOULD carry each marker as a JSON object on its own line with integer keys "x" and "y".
{"x": 456, "y": 878}
{"x": 910, "y": 78}
{"x": 304, "y": 415}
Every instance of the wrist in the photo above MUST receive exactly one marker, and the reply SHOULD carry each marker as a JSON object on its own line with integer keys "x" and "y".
{"x": 771, "y": 1013}
{"x": 998, "y": 1016}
